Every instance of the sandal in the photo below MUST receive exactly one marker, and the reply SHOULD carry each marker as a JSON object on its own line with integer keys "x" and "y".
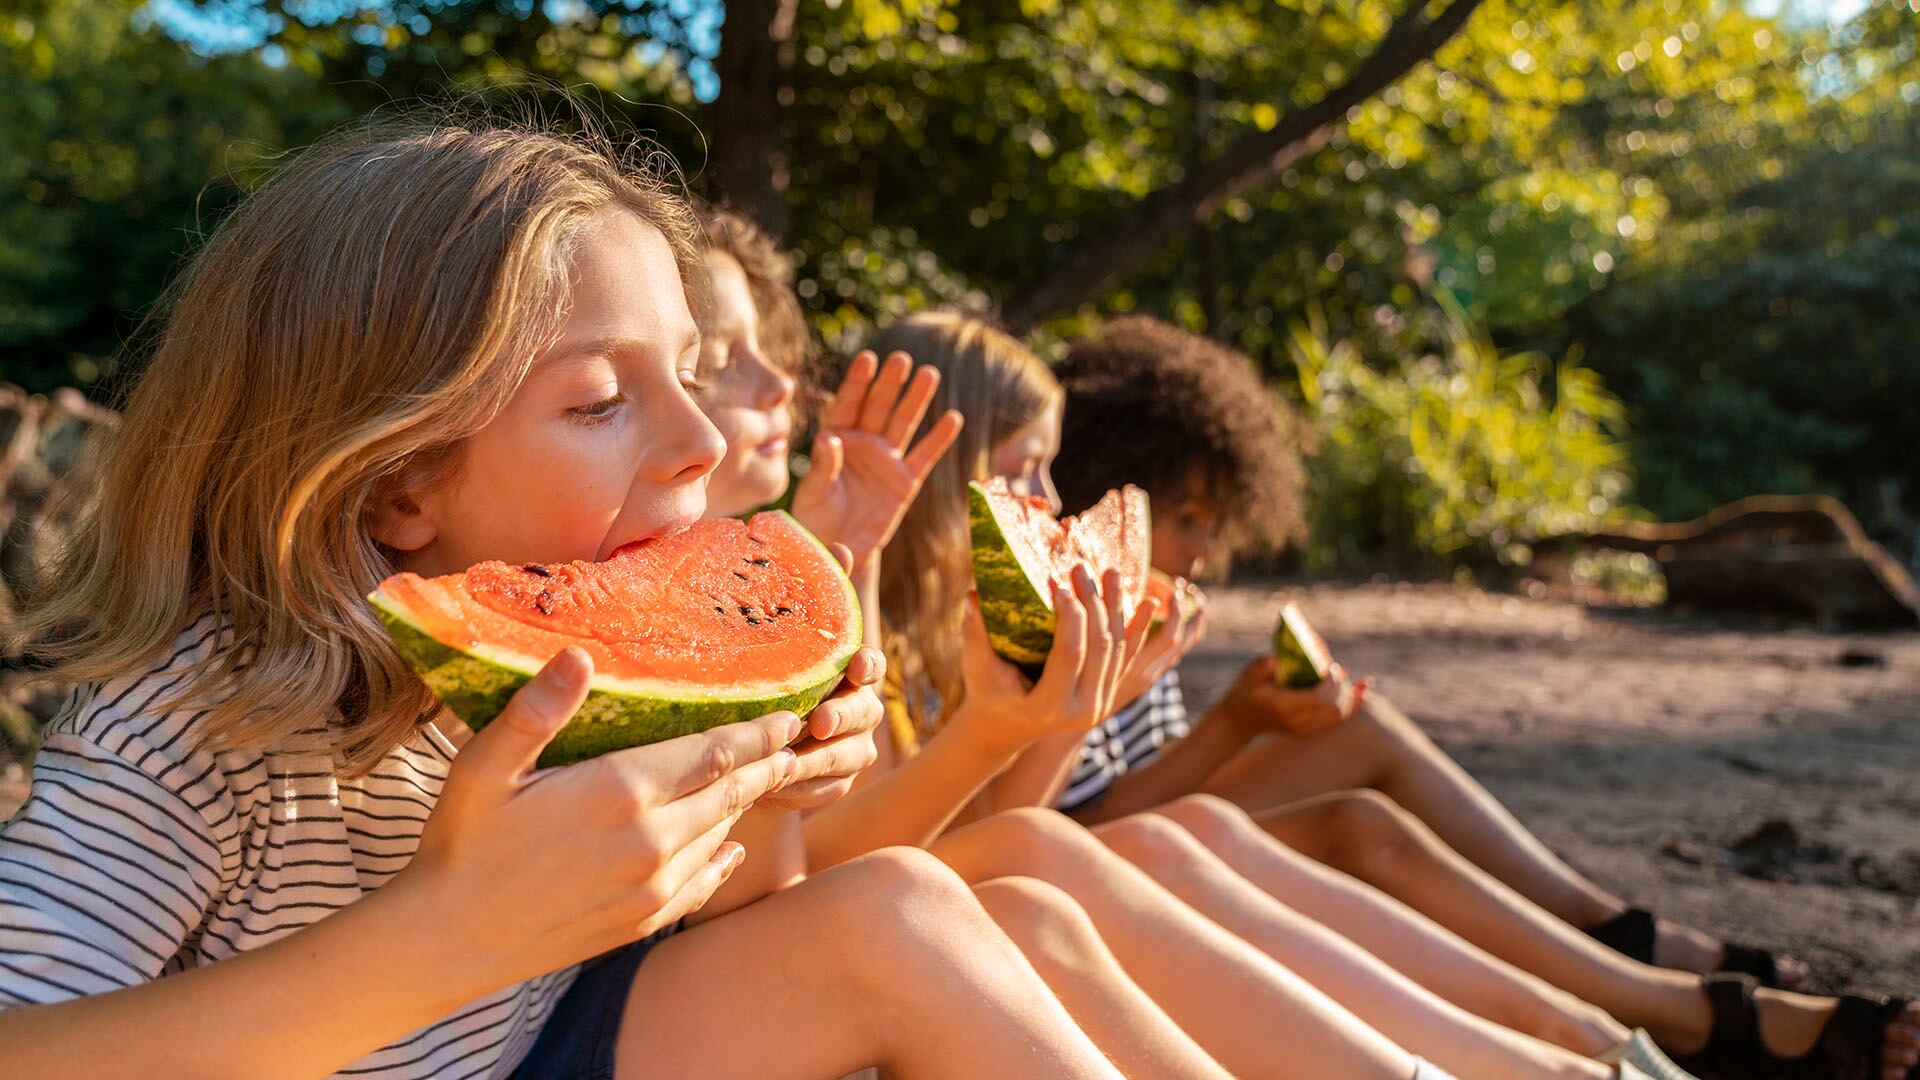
{"x": 1850, "y": 1046}
{"x": 1633, "y": 933}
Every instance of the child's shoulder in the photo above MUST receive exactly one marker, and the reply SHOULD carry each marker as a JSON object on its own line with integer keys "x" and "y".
{"x": 142, "y": 734}
{"x": 135, "y": 704}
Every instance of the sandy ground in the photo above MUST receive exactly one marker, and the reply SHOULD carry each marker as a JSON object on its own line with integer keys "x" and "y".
{"x": 1646, "y": 747}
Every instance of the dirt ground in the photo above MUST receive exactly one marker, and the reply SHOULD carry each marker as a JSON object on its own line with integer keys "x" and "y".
{"x": 1646, "y": 747}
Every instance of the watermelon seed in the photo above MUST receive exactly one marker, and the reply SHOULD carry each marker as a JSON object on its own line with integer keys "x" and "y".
{"x": 544, "y": 602}
{"x": 719, "y": 610}
{"x": 746, "y": 609}
{"x": 537, "y": 570}
{"x": 751, "y": 621}
{"x": 783, "y": 611}
{"x": 741, "y": 576}
{"x": 763, "y": 561}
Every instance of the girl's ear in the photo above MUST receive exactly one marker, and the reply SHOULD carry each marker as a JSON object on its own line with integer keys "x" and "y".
{"x": 398, "y": 521}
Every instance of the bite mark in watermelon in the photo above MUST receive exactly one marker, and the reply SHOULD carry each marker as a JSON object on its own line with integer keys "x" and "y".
{"x": 727, "y": 620}
{"x": 1019, "y": 550}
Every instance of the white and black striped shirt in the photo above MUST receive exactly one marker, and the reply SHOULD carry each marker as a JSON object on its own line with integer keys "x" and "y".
{"x": 1126, "y": 740}
{"x": 138, "y": 855}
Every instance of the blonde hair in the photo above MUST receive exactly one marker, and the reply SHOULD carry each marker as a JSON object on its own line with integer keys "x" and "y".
{"x": 374, "y": 304}
{"x": 999, "y": 386}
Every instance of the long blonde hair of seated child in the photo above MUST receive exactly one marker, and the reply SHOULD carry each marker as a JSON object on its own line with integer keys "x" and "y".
{"x": 348, "y": 325}
{"x": 999, "y": 386}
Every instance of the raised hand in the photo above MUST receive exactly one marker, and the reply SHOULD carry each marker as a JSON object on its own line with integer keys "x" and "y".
{"x": 866, "y": 468}
{"x": 1093, "y": 644}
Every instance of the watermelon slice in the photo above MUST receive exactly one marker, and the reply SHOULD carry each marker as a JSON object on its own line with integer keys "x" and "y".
{"x": 725, "y": 621}
{"x": 1301, "y": 657}
{"x": 1019, "y": 549}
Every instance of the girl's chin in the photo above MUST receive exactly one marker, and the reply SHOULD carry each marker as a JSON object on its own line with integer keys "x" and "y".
{"x": 758, "y": 488}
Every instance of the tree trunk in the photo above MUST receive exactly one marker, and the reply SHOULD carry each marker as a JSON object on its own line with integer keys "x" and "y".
{"x": 748, "y": 166}
{"x": 1098, "y": 263}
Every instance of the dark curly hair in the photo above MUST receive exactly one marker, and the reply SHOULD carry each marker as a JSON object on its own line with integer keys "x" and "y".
{"x": 1149, "y": 404}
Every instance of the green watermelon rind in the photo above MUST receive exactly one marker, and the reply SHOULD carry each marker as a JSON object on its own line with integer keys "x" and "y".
{"x": 618, "y": 713}
{"x": 1017, "y": 608}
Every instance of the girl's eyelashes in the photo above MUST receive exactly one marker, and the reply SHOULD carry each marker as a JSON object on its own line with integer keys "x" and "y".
{"x": 596, "y": 411}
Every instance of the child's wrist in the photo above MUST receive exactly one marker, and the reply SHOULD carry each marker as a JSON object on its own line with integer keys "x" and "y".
{"x": 984, "y": 736}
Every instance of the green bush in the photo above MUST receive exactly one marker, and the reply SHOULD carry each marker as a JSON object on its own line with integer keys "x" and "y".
{"x": 1455, "y": 457}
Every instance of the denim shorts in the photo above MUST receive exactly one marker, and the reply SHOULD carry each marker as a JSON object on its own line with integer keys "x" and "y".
{"x": 578, "y": 1040}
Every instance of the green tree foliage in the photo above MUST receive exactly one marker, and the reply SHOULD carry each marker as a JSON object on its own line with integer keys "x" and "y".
{"x": 116, "y": 144}
{"x": 1460, "y": 455}
{"x": 1714, "y": 204}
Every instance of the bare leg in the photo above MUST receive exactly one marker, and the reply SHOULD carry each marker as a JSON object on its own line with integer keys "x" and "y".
{"x": 1364, "y": 834}
{"x": 1402, "y": 1009}
{"x": 1061, "y": 942}
{"x": 1412, "y": 943}
{"x": 1381, "y": 748}
{"x": 1233, "y": 998}
{"x": 887, "y": 960}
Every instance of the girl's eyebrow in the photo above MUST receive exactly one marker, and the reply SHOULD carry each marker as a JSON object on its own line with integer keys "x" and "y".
{"x": 608, "y": 347}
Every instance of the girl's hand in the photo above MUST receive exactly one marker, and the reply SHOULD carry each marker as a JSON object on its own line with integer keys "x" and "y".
{"x": 1184, "y": 608}
{"x": 541, "y": 869}
{"x": 838, "y": 743}
{"x": 865, "y": 474}
{"x": 1093, "y": 642}
{"x": 1256, "y": 697}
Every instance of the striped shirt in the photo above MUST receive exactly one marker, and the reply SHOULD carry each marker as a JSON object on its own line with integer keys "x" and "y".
{"x": 138, "y": 855}
{"x": 1125, "y": 741}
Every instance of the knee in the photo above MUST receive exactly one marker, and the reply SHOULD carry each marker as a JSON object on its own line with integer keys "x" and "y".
{"x": 895, "y": 882}
{"x": 1213, "y": 819}
{"x": 1149, "y": 840}
{"x": 1042, "y": 919}
{"x": 1368, "y": 829}
{"x": 1024, "y": 841}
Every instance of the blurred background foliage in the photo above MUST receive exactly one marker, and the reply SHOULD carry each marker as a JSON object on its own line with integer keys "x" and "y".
{"x": 1712, "y": 206}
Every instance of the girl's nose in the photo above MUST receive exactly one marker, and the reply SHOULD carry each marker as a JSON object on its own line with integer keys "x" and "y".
{"x": 683, "y": 445}
{"x": 773, "y": 388}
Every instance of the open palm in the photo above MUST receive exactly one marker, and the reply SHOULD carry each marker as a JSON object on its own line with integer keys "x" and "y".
{"x": 866, "y": 466}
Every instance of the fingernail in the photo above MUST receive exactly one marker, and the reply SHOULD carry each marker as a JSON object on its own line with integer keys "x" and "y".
{"x": 786, "y": 762}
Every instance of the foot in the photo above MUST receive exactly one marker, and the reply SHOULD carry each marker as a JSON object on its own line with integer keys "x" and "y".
{"x": 1683, "y": 948}
{"x": 1789, "y": 1025}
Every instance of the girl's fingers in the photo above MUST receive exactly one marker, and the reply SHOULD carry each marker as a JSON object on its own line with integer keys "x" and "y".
{"x": 851, "y": 708}
{"x": 687, "y": 882}
{"x": 833, "y": 758}
{"x": 665, "y": 771}
{"x": 913, "y": 407}
{"x": 844, "y": 410}
{"x": 678, "y": 823}
{"x": 884, "y": 392}
{"x": 828, "y": 458}
{"x": 1062, "y": 671}
{"x": 920, "y": 460}
{"x": 1097, "y": 667}
{"x": 504, "y": 751}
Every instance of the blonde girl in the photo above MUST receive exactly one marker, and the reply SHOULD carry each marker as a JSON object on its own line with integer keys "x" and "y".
{"x": 255, "y": 846}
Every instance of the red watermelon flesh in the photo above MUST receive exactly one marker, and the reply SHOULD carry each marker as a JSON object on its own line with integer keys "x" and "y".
{"x": 1019, "y": 548}
{"x": 725, "y": 620}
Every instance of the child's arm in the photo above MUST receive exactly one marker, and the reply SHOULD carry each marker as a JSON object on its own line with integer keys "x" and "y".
{"x": 517, "y": 874}
{"x": 1037, "y": 778}
{"x": 997, "y": 717}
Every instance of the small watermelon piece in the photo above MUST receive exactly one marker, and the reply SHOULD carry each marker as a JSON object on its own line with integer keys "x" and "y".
{"x": 727, "y": 620}
{"x": 1020, "y": 549}
{"x": 1300, "y": 654}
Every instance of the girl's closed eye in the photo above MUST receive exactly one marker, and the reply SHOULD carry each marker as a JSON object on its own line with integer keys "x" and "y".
{"x": 595, "y": 412}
